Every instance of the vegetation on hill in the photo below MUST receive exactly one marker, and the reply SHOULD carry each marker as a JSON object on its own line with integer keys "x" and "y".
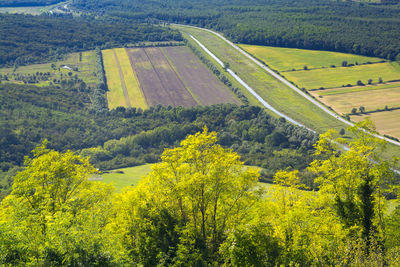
{"x": 20, "y": 3}
{"x": 342, "y": 26}
{"x": 42, "y": 38}
{"x": 200, "y": 207}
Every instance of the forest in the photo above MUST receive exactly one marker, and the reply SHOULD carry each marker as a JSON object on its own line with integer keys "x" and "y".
{"x": 343, "y": 26}
{"x": 66, "y": 116}
{"x": 32, "y": 39}
{"x": 20, "y": 3}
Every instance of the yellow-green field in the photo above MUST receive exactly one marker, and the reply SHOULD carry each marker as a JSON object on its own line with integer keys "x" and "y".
{"x": 283, "y": 59}
{"x": 121, "y": 178}
{"x": 336, "y": 77}
{"x": 387, "y": 122}
{"x": 136, "y": 96}
{"x": 115, "y": 94}
{"x": 344, "y": 90}
{"x": 112, "y": 67}
{"x": 85, "y": 69}
{"x": 370, "y": 99}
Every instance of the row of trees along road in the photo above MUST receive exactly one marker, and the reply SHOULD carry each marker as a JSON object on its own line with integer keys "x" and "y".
{"x": 199, "y": 206}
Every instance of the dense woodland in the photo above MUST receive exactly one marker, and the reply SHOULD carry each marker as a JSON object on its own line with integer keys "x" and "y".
{"x": 344, "y": 26}
{"x": 19, "y": 3}
{"x": 26, "y": 39}
{"x": 66, "y": 116}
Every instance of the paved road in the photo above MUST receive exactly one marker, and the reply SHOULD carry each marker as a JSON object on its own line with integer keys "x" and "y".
{"x": 245, "y": 85}
{"x": 281, "y": 79}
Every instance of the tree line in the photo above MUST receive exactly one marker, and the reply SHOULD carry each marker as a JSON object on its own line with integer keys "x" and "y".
{"x": 29, "y": 39}
{"x": 200, "y": 207}
{"x": 343, "y": 26}
{"x": 68, "y": 116}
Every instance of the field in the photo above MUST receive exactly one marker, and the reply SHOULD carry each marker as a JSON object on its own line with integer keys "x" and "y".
{"x": 370, "y": 99}
{"x": 386, "y": 122}
{"x": 84, "y": 69}
{"x": 336, "y": 77}
{"x": 170, "y": 76}
{"x": 121, "y": 178}
{"x": 274, "y": 92}
{"x": 32, "y": 10}
{"x": 285, "y": 59}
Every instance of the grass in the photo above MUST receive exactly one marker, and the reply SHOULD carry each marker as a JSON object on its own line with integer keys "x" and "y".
{"x": 278, "y": 95}
{"x": 121, "y": 178}
{"x": 386, "y": 122}
{"x": 345, "y": 90}
{"x": 370, "y": 99}
{"x": 32, "y": 10}
{"x": 336, "y": 77}
{"x": 115, "y": 95}
{"x": 283, "y": 59}
{"x": 86, "y": 69}
{"x": 136, "y": 96}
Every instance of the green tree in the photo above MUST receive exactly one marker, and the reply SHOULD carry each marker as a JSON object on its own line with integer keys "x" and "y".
{"x": 357, "y": 179}
{"x": 54, "y": 215}
{"x": 203, "y": 186}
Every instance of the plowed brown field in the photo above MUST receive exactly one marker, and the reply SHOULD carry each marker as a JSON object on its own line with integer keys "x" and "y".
{"x": 175, "y": 76}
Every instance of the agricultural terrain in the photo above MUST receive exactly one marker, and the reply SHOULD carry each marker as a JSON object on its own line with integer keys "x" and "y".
{"x": 344, "y": 82}
{"x": 269, "y": 88}
{"x": 76, "y": 65}
{"x": 170, "y": 76}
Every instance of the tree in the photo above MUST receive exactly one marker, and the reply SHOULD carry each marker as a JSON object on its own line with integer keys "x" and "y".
{"x": 380, "y": 80}
{"x": 357, "y": 179}
{"x": 344, "y": 63}
{"x": 353, "y": 111}
{"x": 362, "y": 109}
{"x": 203, "y": 187}
{"x": 57, "y": 211}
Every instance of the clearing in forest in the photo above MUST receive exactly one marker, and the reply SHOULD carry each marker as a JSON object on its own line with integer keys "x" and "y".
{"x": 83, "y": 65}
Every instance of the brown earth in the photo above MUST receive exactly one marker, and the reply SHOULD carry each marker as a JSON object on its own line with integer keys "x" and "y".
{"x": 205, "y": 87}
{"x": 159, "y": 81}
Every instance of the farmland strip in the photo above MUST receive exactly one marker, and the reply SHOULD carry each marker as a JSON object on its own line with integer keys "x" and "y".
{"x": 179, "y": 76}
{"x": 128, "y": 103}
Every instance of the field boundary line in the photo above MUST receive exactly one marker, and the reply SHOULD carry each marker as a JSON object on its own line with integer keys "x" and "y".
{"x": 281, "y": 79}
{"x": 179, "y": 76}
{"x": 137, "y": 79}
{"x": 158, "y": 76}
{"x": 121, "y": 75}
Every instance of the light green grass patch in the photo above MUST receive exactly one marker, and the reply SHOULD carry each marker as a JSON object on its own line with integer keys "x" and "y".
{"x": 336, "y": 77}
{"x": 121, "y": 178}
{"x": 345, "y": 90}
{"x": 283, "y": 59}
{"x": 115, "y": 95}
{"x": 86, "y": 69}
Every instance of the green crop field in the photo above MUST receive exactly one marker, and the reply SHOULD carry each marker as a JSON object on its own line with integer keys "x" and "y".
{"x": 135, "y": 94}
{"x": 115, "y": 95}
{"x": 336, "y": 77}
{"x": 345, "y": 90}
{"x": 121, "y": 178}
{"x": 274, "y": 92}
{"x": 283, "y": 59}
{"x": 85, "y": 69}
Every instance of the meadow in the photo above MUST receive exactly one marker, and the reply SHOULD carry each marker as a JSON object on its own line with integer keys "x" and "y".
{"x": 83, "y": 65}
{"x": 287, "y": 59}
{"x": 121, "y": 178}
{"x": 337, "y": 77}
